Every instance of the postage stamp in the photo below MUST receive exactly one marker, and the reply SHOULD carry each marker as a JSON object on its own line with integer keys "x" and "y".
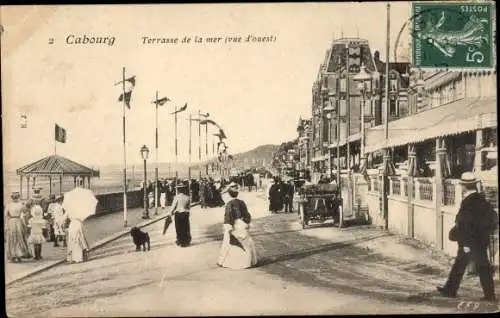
{"x": 457, "y": 35}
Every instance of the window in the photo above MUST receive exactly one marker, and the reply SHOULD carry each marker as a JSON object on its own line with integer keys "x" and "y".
{"x": 343, "y": 107}
{"x": 343, "y": 85}
{"x": 394, "y": 85}
{"x": 393, "y": 108}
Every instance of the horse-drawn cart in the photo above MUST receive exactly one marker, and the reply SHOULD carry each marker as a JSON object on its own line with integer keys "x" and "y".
{"x": 319, "y": 202}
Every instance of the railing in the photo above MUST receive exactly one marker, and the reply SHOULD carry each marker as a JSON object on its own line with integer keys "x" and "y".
{"x": 404, "y": 181}
{"x": 491, "y": 193}
{"x": 396, "y": 186}
{"x": 425, "y": 188}
{"x": 448, "y": 197}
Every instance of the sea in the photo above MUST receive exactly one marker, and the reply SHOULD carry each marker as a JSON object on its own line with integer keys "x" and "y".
{"x": 110, "y": 180}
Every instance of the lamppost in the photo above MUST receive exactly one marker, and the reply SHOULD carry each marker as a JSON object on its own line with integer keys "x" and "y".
{"x": 328, "y": 111}
{"x": 363, "y": 79}
{"x": 145, "y": 154}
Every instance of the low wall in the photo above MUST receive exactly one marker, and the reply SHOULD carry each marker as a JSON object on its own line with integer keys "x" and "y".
{"x": 113, "y": 202}
{"x": 425, "y": 222}
{"x": 373, "y": 203}
{"x": 398, "y": 214}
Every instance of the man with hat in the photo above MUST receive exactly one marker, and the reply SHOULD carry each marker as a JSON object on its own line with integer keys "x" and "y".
{"x": 181, "y": 207}
{"x": 474, "y": 223}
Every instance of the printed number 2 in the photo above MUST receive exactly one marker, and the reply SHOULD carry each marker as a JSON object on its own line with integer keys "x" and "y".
{"x": 468, "y": 305}
{"x": 476, "y": 57}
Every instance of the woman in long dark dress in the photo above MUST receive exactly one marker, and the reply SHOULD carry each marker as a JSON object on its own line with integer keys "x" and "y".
{"x": 180, "y": 209}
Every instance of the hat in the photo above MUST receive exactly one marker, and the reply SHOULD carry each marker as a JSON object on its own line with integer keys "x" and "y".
{"x": 232, "y": 187}
{"x": 468, "y": 178}
{"x": 15, "y": 195}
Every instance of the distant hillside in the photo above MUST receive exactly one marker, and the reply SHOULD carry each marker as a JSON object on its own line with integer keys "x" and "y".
{"x": 256, "y": 157}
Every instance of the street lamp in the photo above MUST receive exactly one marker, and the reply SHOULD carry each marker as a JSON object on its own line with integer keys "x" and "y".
{"x": 363, "y": 79}
{"x": 145, "y": 154}
{"x": 328, "y": 111}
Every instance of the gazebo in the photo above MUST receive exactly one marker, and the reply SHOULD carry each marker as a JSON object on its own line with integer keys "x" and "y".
{"x": 55, "y": 166}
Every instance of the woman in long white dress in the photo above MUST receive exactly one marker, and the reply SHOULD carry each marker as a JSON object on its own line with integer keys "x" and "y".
{"x": 238, "y": 249}
{"x": 77, "y": 242}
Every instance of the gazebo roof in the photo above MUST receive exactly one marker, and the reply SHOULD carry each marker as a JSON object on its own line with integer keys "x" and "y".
{"x": 55, "y": 165}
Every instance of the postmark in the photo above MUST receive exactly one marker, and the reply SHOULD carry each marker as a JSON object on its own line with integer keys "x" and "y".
{"x": 453, "y": 35}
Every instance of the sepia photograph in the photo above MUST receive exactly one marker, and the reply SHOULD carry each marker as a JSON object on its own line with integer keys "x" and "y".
{"x": 250, "y": 159}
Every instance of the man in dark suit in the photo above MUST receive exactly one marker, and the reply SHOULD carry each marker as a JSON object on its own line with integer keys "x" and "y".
{"x": 474, "y": 223}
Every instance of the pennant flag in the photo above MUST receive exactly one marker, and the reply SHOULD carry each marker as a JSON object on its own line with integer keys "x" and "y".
{"x": 131, "y": 80}
{"x": 183, "y": 108}
{"x": 221, "y": 134}
{"x": 161, "y": 101}
{"x": 60, "y": 134}
{"x": 205, "y": 115}
{"x": 128, "y": 96}
{"x": 24, "y": 121}
{"x": 208, "y": 121}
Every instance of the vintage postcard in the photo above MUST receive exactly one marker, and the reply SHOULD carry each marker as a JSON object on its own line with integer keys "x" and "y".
{"x": 316, "y": 158}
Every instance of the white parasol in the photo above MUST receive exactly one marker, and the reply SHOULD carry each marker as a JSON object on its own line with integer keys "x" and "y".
{"x": 79, "y": 203}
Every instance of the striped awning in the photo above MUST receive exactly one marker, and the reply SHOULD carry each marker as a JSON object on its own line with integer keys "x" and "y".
{"x": 55, "y": 165}
{"x": 450, "y": 119}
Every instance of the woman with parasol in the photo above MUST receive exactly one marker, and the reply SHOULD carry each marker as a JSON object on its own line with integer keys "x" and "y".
{"x": 79, "y": 204}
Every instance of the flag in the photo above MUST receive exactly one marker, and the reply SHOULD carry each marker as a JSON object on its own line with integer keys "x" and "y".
{"x": 60, "y": 134}
{"x": 221, "y": 134}
{"x": 161, "y": 101}
{"x": 208, "y": 121}
{"x": 183, "y": 108}
{"x": 24, "y": 121}
{"x": 131, "y": 80}
{"x": 205, "y": 115}
{"x": 127, "y": 95}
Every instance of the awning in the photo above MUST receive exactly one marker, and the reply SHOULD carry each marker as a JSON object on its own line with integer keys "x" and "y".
{"x": 450, "y": 119}
{"x": 355, "y": 137}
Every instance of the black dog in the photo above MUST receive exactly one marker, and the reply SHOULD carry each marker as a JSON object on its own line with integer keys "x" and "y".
{"x": 140, "y": 238}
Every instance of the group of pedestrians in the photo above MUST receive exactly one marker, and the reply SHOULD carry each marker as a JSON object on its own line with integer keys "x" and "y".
{"x": 237, "y": 249}
{"x": 280, "y": 195}
{"x": 32, "y": 223}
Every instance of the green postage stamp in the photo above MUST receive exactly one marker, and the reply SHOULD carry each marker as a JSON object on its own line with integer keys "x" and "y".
{"x": 453, "y": 35}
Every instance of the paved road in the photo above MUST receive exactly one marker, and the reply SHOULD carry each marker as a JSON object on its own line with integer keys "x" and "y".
{"x": 311, "y": 271}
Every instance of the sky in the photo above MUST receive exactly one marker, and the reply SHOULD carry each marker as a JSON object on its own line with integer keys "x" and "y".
{"x": 255, "y": 91}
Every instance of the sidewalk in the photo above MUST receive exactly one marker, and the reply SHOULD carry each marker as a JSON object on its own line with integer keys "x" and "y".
{"x": 98, "y": 229}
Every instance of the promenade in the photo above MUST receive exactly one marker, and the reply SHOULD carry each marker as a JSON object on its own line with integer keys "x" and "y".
{"x": 97, "y": 228}
{"x": 330, "y": 270}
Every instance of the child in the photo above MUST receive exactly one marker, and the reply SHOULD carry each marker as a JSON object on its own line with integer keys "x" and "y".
{"x": 37, "y": 223}
{"x": 59, "y": 221}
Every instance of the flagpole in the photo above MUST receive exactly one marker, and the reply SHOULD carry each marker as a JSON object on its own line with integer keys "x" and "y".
{"x": 190, "y": 127}
{"x": 124, "y": 155}
{"x": 206, "y": 145}
{"x": 386, "y": 121}
{"x": 199, "y": 141}
{"x": 156, "y": 155}
{"x": 176, "y": 153}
